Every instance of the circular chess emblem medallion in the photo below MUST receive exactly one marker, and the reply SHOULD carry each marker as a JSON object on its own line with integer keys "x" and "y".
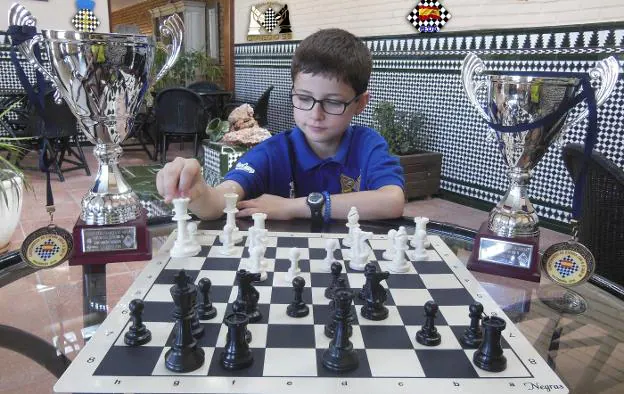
{"x": 47, "y": 247}
{"x": 568, "y": 263}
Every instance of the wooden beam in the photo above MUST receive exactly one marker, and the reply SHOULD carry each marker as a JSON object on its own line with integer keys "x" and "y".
{"x": 228, "y": 44}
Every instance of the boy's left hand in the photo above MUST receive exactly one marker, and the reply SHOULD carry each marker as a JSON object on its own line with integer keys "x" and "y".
{"x": 276, "y": 207}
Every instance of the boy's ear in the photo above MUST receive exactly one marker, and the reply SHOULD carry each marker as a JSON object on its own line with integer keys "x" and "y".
{"x": 362, "y": 102}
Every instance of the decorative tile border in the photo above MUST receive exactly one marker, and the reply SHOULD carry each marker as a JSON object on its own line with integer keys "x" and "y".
{"x": 421, "y": 72}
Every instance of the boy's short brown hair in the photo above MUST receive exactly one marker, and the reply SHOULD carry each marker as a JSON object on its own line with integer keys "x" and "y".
{"x": 334, "y": 53}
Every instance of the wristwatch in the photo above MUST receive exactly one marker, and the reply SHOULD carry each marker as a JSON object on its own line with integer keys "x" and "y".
{"x": 316, "y": 201}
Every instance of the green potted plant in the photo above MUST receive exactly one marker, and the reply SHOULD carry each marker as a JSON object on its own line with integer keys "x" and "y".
{"x": 405, "y": 137}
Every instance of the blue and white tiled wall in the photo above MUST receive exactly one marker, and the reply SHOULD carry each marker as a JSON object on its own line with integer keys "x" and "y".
{"x": 422, "y": 73}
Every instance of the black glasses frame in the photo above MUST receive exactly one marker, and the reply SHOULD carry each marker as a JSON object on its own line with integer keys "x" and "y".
{"x": 322, "y": 102}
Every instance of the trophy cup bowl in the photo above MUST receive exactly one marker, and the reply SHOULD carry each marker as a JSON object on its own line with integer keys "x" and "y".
{"x": 103, "y": 78}
{"x": 543, "y": 103}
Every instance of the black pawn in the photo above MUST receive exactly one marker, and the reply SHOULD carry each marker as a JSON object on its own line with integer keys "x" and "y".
{"x": 490, "y": 356}
{"x": 473, "y": 336}
{"x": 205, "y": 310}
{"x": 137, "y": 334}
{"x": 297, "y": 307}
{"x": 370, "y": 267}
{"x": 184, "y": 355}
{"x": 340, "y": 356}
{"x": 428, "y": 335}
{"x": 237, "y": 308}
{"x": 236, "y": 354}
{"x": 330, "y": 327}
{"x": 336, "y": 269}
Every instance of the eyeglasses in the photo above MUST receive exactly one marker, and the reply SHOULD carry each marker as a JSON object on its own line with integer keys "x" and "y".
{"x": 332, "y": 107}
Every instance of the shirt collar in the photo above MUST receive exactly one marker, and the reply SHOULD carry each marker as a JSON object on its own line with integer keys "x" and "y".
{"x": 306, "y": 156}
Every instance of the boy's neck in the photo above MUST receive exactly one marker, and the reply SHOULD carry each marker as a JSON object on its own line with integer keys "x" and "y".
{"x": 324, "y": 150}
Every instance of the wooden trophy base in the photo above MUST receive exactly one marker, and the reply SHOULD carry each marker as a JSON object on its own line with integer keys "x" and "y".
{"x": 95, "y": 244}
{"x": 513, "y": 257}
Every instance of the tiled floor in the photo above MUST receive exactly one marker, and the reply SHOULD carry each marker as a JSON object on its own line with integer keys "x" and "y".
{"x": 68, "y": 194}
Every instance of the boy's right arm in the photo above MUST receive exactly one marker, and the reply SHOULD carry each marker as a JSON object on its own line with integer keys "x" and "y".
{"x": 182, "y": 178}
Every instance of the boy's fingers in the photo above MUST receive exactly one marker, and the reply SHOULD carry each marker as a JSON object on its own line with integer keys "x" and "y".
{"x": 245, "y": 204}
{"x": 246, "y": 212}
{"x": 171, "y": 177}
{"x": 188, "y": 176}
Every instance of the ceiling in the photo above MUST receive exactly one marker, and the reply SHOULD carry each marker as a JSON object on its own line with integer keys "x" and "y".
{"x": 119, "y": 4}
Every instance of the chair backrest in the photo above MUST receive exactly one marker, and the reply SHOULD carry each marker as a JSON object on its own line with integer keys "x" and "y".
{"x": 204, "y": 86}
{"x": 179, "y": 111}
{"x": 61, "y": 121}
{"x": 601, "y": 225}
{"x": 261, "y": 108}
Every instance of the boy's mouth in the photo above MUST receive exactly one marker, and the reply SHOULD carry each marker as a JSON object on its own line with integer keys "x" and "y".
{"x": 316, "y": 129}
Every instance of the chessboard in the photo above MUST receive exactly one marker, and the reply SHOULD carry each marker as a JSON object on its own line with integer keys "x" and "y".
{"x": 287, "y": 351}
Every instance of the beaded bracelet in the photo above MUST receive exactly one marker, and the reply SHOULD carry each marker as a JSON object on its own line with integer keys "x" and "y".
{"x": 327, "y": 215}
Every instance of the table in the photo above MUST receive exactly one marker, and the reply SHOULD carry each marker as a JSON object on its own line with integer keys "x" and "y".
{"x": 48, "y": 315}
{"x": 219, "y": 96}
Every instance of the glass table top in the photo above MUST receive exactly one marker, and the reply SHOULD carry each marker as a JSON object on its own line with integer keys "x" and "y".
{"x": 47, "y": 316}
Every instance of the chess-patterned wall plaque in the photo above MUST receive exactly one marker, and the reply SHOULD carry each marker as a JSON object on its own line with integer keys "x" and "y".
{"x": 269, "y": 21}
{"x": 422, "y": 72}
{"x": 429, "y": 16}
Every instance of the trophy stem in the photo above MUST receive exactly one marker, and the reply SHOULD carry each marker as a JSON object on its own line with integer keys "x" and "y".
{"x": 514, "y": 215}
{"x": 110, "y": 200}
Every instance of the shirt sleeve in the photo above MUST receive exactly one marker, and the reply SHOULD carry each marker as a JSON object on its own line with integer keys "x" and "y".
{"x": 250, "y": 172}
{"x": 382, "y": 168}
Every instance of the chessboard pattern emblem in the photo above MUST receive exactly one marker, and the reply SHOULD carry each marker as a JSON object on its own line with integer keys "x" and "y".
{"x": 47, "y": 249}
{"x": 429, "y": 16}
{"x": 287, "y": 351}
{"x": 566, "y": 266}
{"x": 270, "y": 21}
{"x": 85, "y": 20}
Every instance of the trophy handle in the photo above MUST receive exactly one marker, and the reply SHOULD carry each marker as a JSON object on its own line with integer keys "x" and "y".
{"x": 607, "y": 71}
{"x": 472, "y": 66}
{"x": 27, "y": 50}
{"x": 174, "y": 28}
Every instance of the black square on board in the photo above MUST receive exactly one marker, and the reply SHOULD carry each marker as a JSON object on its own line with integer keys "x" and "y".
{"x": 208, "y": 339}
{"x": 217, "y": 242}
{"x": 459, "y": 332}
{"x": 405, "y": 281}
{"x": 442, "y": 363}
{"x": 432, "y": 267}
{"x": 415, "y": 316}
{"x": 157, "y": 311}
{"x": 292, "y": 242}
{"x": 451, "y": 296}
{"x": 269, "y": 252}
{"x": 282, "y": 265}
{"x": 385, "y": 337}
{"x": 290, "y": 336}
{"x": 322, "y": 314}
{"x": 362, "y": 371}
{"x": 358, "y": 301}
{"x": 323, "y": 279}
{"x": 255, "y": 370}
{"x": 205, "y": 249}
{"x": 285, "y": 295}
{"x": 221, "y": 264}
{"x": 264, "y": 310}
{"x": 129, "y": 361}
{"x": 167, "y": 277}
{"x": 220, "y": 293}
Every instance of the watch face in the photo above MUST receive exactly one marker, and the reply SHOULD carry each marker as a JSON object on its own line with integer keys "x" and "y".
{"x": 315, "y": 198}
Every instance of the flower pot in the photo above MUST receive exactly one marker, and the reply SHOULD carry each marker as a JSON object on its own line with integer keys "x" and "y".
{"x": 10, "y": 209}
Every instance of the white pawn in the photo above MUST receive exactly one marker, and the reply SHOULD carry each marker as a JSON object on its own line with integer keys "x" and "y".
{"x": 226, "y": 240}
{"x": 353, "y": 222}
{"x": 255, "y": 264}
{"x": 399, "y": 263}
{"x": 230, "y": 219}
{"x": 258, "y": 219}
{"x": 420, "y": 253}
{"x": 389, "y": 253}
{"x": 331, "y": 244}
{"x": 359, "y": 250}
{"x": 294, "y": 270}
{"x": 420, "y": 223}
{"x": 185, "y": 244}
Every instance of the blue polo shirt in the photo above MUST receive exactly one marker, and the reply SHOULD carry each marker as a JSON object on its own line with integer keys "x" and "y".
{"x": 361, "y": 163}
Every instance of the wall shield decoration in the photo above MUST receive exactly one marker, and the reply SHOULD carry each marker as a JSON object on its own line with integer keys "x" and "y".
{"x": 429, "y": 16}
{"x": 269, "y": 21}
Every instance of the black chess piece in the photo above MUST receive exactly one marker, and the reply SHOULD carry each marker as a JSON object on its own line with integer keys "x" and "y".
{"x": 336, "y": 269}
{"x": 137, "y": 334}
{"x": 376, "y": 295}
{"x": 341, "y": 283}
{"x": 490, "y": 356}
{"x": 248, "y": 296}
{"x": 297, "y": 307}
{"x": 428, "y": 335}
{"x": 196, "y": 327}
{"x": 236, "y": 354}
{"x": 205, "y": 310}
{"x": 237, "y": 308}
{"x": 184, "y": 355}
{"x": 473, "y": 336}
{"x": 340, "y": 356}
{"x": 369, "y": 267}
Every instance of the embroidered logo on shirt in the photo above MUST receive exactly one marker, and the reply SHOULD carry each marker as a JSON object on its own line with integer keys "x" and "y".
{"x": 348, "y": 184}
{"x": 244, "y": 167}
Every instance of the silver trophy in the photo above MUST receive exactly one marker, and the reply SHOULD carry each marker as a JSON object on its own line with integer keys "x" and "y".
{"x": 102, "y": 77}
{"x": 515, "y": 100}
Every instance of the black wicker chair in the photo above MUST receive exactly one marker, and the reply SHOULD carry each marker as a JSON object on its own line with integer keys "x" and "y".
{"x": 179, "y": 112}
{"x": 261, "y": 107}
{"x": 601, "y": 225}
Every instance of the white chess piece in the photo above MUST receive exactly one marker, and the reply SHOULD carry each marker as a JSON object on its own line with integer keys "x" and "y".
{"x": 388, "y": 254}
{"x": 353, "y": 222}
{"x": 255, "y": 261}
{"x": 331, "y": 244}
{"x": 420, "y": 223}
{"x": 258, "y": 219}
{"x": 294, "y": 269}
{"x": 420, "y": 253}
{"x": 230, "y": 219}
{"x": 185, "y": 244}
{"x": 226, "y": 240}
{"x": 399, "y": 263}
{"x": 359, "y": 250}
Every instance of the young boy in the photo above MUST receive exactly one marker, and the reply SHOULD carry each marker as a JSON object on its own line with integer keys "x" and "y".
{"x": 320, "y": 168}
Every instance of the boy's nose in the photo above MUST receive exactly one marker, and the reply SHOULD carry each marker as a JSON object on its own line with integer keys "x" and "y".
{"x": 317, "y": 111}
